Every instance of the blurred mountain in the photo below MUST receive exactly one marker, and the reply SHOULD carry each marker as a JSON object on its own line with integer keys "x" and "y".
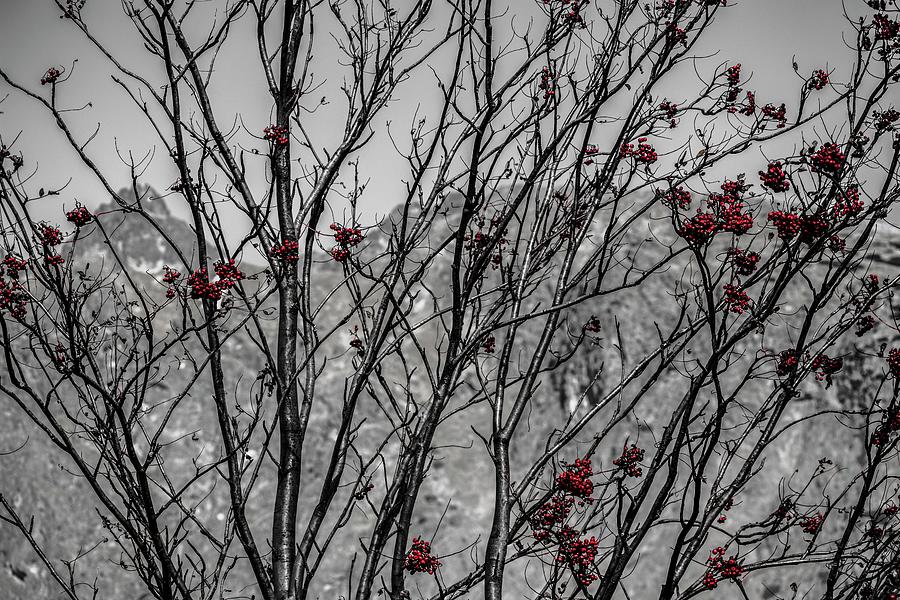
{"x": 144, "y": 244}
{"x": 458, "y": 489}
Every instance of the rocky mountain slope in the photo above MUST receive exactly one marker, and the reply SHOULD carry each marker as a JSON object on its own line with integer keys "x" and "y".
{"x": 458, "y": 488}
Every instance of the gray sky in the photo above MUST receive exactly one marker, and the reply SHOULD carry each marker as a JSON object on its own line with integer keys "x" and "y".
{"x": 761, "y": 34}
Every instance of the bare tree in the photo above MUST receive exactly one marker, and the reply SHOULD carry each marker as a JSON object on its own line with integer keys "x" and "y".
{"x": 567, "y": 158}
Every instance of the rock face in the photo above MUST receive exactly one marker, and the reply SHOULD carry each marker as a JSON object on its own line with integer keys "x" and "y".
{"x": 142, "y": 247}
{"x": 458, "y": 491}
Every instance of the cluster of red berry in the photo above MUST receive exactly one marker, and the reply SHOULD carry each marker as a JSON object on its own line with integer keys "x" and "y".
{"x": 578, "y": 554}
{"x": 419, "y": 558}
{"x": 202, "y": 288}
{"x": 828, "y": 160}
{"x": 884, "y": 120}
{"x": 590, "y": 151}
{"x": 736, "y": 300}
{"x": 575, "y": 480}
{"x": 670, "y": 110}
{"x": 732, "y": 217}
{"x": 170, "y": 277}
{"x": 54, "y": 259}
{"x": 749, "y": 106}
{"x": 13, "y": 297}
{"x": 287, "y": 252}
{"x": 551, "y": 515}
{"x": 593, "y": 325}
{"x": 788, "y": 360}
{"x": 819, "y": 79}
{"x": 744, "y": 261}
{"x": 675, "y": 198}
{"x": 362, "y": 493}
{"x": 775, "y": 178}
{"x": 477, "y": 241}
{"x": 228, "y": 274}
{"x": 675, "y": 34}
{"x": 733, "y": 78}
{"x": 629, "y": 461}
{"x": 836, "y": 244}
{"x": 848, "y": 204}
{"x": 729, "y": 206}
{"x": 730, "y": 568}
{"x": 665, "y": 6}
{"x": 885, "y": 28}
{"x": 776, "y": 113}
{"x": 787, "y": 223}
{"x": 59, "y": 356}
{"x": 13, "y": 265}
{"x": 729, "y": 504}
{"x": 49, "y": 237}
{"x": 572, "y": 486}
{"x": 734, "y": 188}
{"x": 482, "y": 239}
{"x": 872, "y": 282}
{"x": 785, "y": 510}
{"x": 826, "y": 366}
{"x": 699, "y": 229}
{"x": 277, "y": 135}
{"x": 572, "y": 17}
{"x": 812, "y": 524}
{"x": 644, "y": 153}
{"x": 720, "y": 568}
{"x": 79, "y": 216}
{"x": 894, "y": 362}
{"x": 355, "y": 341}
{"x": 865, "y": 324}
{"x": 340, "y": 254}
{"x": 51, "y": 75}
{"x": 547, "y": 83}
{"x": 890, "y": 425}
{"x": 812, "y": 228}
{"x": 727, "y": 215}
{"x": 346, "y": 238}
